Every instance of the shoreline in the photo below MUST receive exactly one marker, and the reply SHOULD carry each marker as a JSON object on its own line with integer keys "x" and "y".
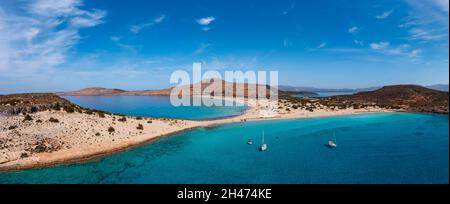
{"x": 88, "y": 154}
{"x": 92, "y": 152}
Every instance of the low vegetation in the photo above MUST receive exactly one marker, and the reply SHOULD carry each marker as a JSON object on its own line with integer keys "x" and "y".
{"x": 111, "y": 129}
{"x": 27, "y": 118}
{"x": 53, "y": 120}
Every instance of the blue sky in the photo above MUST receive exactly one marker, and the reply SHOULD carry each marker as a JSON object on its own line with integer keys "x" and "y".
{"x": 59, "y": 45}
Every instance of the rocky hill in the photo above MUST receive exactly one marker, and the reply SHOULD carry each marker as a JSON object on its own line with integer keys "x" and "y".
{"x": 407, "y": 97}
{"x": 31, "y": 102}
{"x": 95, "y": 91}
{"x": 227, "y": 88}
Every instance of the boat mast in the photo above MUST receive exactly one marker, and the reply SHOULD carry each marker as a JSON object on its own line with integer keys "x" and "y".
{"x": 263, "y": 137}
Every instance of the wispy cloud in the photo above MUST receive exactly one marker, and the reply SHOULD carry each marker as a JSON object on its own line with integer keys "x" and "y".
{"x": 137, "y": 28}
{"x": 427, "y": 20}
{"x": 202, "y": 48}
{"x": 287, "y": 43}
{"x": 88, "y": 19}
{"x": 40, "y": 35}
{"x": 384, "y": 15}
{"x": 291, "y": 7}
{"x": 426, "y": 35}
{"x": 115, "y": 38}
{"x": 359, "y": 42}
{"x": 442, "y": 4}
{"x": 401, "y": 50}
{"x": 353, "y": 29}
{"x": 379, "y": 46}
{"x": 322, "y": 45}
{"x": 318, "y": 47}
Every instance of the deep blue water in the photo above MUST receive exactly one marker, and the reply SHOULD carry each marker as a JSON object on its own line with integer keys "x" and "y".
{"x": 153, "y": 106}
{"x": 372, "y": 148}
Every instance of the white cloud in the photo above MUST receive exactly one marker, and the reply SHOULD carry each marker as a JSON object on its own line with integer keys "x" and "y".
{"x": 426, "y": 35}
{"x": 359, "y": 42}
{"x": 206, "y": 20}
{"x": 206, "y": 29}
{"x": 442, "y": 4}
{"x": 427, "y": 20}
{"x": 415, "y": 53}
{"x": 384, "y": 15}
{"x": 51, "y": 8}
{"x": 40, "y": 35}
{"x": 159, "y": 19}
{"x": 353, "y": 29}
{"x": 137, "y": 28}
{"x": 404, "y": 50}
{"x": 379, "y": 46}
{"x": 89, "y": 19}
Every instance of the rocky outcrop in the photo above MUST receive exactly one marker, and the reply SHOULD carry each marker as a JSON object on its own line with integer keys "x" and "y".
{"x": 406, "y": 97}
{"x": 29, "y": 103}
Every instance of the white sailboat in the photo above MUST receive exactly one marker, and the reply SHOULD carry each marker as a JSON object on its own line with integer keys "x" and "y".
{"x": 263, "y": 145}
{"x": 332, "y": 143}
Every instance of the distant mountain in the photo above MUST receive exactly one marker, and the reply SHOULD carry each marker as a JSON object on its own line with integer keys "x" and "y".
{"x": 94, "y": 91}
{"x": 227, "y": 88}
{"x": 312, "y": 89}
{"x": 408, "y": 97}
{"x": 439, "y": 87}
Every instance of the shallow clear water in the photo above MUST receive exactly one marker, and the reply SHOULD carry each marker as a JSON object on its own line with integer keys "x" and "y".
{"x": 372, "y": 148}
{"x": 153, "y": 106}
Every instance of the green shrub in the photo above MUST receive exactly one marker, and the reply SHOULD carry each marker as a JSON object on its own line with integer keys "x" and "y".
{"x": 27, "y": 118}
{"x": 123, "y": 119}
{"x": 69, "y": 109}
{"x": 57, "y": 107}
{"x": 149, "y": 121}
{"x": 12, "y": 127}
{"x": 24, "y": 155}
{"x": 140, "y": 127}
{"x": 111, "y": 129}
{"x": 53, "y": 120}
{"x": 101, "y": 115}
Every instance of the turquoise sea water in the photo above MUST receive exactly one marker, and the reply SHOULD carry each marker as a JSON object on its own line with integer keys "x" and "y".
{"x": 372, "y": 148}
{"x": 153, "y": 106}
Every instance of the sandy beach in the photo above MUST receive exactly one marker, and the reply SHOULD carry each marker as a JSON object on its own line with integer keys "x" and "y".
{"x": 77, "y": 137}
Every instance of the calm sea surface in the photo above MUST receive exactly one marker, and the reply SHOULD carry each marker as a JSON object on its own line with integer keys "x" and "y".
{"x": 153, "y": 106}
{"x": 372, "y": 148}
